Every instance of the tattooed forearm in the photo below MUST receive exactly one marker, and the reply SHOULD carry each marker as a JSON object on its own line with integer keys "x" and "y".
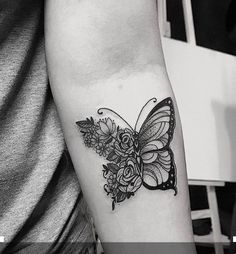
{"x": 134, "y": 157}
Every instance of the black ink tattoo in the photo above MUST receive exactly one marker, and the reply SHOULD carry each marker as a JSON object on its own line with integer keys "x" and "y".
{"x": 135, "y": 158}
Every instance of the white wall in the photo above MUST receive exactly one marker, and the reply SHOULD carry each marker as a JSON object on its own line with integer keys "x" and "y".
{"x": 204, "y": 82}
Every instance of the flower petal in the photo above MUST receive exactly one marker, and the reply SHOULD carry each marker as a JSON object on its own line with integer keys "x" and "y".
{"x": 122, "y": 188}
{"x": 113, "y": 127}
{"x": 104, "y": 127}
{"x": 109, "y": 123}
{"x": 134, "y": 184}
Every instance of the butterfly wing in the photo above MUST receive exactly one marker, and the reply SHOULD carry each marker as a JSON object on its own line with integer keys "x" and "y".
{"x": 160, "y": 173}
{"x": 154, "y": 138}
{"x": 158, "y": 128}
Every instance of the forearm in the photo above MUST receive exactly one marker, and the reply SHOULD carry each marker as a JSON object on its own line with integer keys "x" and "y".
{"x": 162, "y": 209}
{"x": 105, "y": 54}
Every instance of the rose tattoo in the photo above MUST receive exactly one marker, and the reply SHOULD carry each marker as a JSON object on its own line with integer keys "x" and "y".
{"x": 135, "y": 158}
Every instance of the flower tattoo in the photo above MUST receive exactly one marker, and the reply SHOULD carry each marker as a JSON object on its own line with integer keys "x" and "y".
{"x": 134, "y": 158}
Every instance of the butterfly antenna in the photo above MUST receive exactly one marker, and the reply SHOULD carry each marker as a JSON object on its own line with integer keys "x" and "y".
{"x": 154, "y": 101}
{"x": 101, "y": 111}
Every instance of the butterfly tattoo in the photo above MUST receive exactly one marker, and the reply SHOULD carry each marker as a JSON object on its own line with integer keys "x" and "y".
{"x": 134, "y": 157}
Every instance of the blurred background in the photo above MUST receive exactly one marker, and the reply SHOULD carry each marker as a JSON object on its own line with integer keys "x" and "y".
{"x": 214, "y": 22}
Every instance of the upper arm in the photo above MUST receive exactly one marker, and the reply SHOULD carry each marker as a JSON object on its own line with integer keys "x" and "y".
{"x": 95, "y": 40}
{"x": 107, "y": 53}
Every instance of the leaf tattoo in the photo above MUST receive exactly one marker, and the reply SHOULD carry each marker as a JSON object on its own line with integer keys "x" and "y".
{"x": 134, "y": 158}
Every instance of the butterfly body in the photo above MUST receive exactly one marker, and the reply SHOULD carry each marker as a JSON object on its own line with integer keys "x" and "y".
{"x": 135, "y": 158}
